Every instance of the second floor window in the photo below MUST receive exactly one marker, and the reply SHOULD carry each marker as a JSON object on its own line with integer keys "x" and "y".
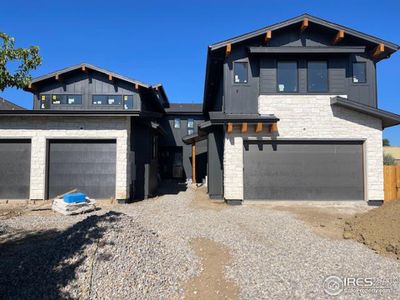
{"x": 359, "y": 72}
{"x": 107, "y": 99}
{"x": 317, "y": 76}
{"x": 66, "y": 99}
{"x": 240, "y": 72}
{"x": 190, "y": 123}
{"x": 177, "y": 123}
{"x": 287, "y": 76}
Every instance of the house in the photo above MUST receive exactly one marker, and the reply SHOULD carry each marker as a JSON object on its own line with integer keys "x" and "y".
{"x": 292, "y": 114}
{"x": 394, "y": 152}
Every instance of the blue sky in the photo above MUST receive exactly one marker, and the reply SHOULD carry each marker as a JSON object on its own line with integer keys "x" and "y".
{"x": 166, "y": 41}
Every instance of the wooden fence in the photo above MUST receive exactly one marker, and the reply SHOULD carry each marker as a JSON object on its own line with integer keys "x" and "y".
{"x": 392, "y": 182}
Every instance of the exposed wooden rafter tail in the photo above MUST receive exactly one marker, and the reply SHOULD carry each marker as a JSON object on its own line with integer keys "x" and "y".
{"x": 338, "y": 37}
{"x": 259, "y": 127}
{"x": 268, "y": 36}
{"x": 378, "y": 51}
{"x": 110, "y": 77}
{"x": 244, "y": 127}
{"x": 228, "y": 49}
{"x": 136, "y": 86}
{"x": 84, "y": 69}
{"x": 58, "y": 77}
{"x": 229, "y": 127}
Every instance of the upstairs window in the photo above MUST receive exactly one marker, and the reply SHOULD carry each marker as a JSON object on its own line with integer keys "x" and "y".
{"x": 107, "y": 99}
{"x": 190, "y": 126}
{"x": 240, "y": 72}
{"x": 66, "y": 99}
{"x": 317, "y": 76}
{"x": 177, "y": 123}
{"x": 287, "y": 76}
{"x": 359, "y": 72}
{"x": 128, "y": 102}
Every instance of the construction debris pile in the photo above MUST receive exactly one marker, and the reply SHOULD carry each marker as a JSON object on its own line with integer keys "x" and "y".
{"x": 73, "y": 203}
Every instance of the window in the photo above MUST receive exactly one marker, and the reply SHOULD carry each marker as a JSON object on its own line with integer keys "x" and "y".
{"x": 240, "y": 72}
{"x": 177, "y": 123}
{"x": 66, "y": 99}
{"x": 190, "y": 123}
{"x": 107, "y": 99}
{"x": 287, "y": 76}
{"x": 190, "y": 131}
{"x": 359, "y": 72}
{"x": 44, "y": 101}
{"x": 317, "y": 76}
{"x": 128, "y": 102}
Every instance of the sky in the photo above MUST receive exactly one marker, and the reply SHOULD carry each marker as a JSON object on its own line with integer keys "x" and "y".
{"x": 166, "y": 41}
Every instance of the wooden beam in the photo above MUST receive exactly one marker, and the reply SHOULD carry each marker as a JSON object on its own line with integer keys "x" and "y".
{"x": 259, "y": 127}
{"x": 136, "y": 86}
{"x": 110, "y": 77}
{"x": 194, "y": 163}
{"x": 229, "y": 127}
{"x": 244, "y": 127}
{"x": 228, "y": 50}
{"x": 83, "y": 68}
{"x": 304, "y": 25}
{"x": 268, "y": 36}
{"x": 378, "y": 51}
{"x": 338, "y": 37}
{"x": 274, "y": 127}
{"x": 58, "y": 77}
{"x": 31, "y": 87}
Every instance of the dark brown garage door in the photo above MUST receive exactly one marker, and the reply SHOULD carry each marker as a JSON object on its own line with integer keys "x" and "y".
{"x": 303, "y": 170}
{"x": 15, "y": 168}
{"x": 88, "y": 165}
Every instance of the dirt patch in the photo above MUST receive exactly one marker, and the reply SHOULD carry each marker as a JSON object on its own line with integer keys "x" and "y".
{"x": 325, "y": 221}
{"x": 202, "y": 201}
{"x": 211, "y": 283}
{"x": 379, "y": 228}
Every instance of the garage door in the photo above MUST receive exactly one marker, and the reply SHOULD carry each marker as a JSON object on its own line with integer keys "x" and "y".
{"x": 15, "y": 167}
{"x": 303, "y": 170}
{"x": 88, "y": 165}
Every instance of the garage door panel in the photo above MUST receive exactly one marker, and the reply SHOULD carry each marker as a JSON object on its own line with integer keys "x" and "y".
{"x": 296, "y": 171}
{"x": 15, "y": 165}
{"x": 87, "y": 165}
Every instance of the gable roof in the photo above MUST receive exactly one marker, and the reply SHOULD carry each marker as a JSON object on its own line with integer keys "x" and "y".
{"x": 394, "y": 47}
{"x": 8, "y": 105}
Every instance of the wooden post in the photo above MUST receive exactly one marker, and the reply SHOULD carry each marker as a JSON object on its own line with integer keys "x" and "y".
{"x": 194, "y": 163}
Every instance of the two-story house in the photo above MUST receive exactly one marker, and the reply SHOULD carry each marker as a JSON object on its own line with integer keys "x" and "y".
{"x": 293, "y": 114}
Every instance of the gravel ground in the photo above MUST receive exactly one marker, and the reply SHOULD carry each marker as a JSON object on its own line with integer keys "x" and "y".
{"x": 142, "y": 251}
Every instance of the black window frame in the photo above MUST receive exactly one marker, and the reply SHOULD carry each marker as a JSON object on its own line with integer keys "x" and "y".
{"x": 365, "y": 71}
{"x": 297, "y": 76}
{"x": 327, "y": 75}
{"x": 247, "y": 72}
{"x": 64, "y": 99}
{"x": 190, "y": 120}
{"x": 121, "y": 104}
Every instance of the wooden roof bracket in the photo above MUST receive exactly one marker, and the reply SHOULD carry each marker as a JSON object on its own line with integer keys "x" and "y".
{"x": 378, "y": 51}
{"x": 304, "y": 25}
{"x": 244, "y": 127}
{"x": 136, "y": 86}
{"x": 58, "y": 78}
{"x": 259, "y": 127}
{"x": 228, "y": 50}
{"x": 229, "y": 127}
{"x": 110, "y": 77}
{"x": 268, "y": 36}
{"x": 338, "y": 37}
{"x": 84, "y": 69}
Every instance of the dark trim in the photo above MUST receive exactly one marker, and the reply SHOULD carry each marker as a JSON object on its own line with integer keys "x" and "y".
{"x": 388, "y": 119}
{"x": 215, "y": 197}
{"x": 220, "y": 118}
{"x": 78, "y": 113}
{"x": 308, "y": 49}
{"x": 305, "y": 141}
{"x": 233, "y": 202}
{"x": 375, "y": 202}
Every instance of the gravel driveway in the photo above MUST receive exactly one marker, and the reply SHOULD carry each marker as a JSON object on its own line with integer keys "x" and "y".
{"x": 145, "y": 250}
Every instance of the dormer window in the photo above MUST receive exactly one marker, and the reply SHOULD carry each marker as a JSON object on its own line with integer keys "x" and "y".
{"x": 240, "y": 72}
{"x": 287, "y": 77}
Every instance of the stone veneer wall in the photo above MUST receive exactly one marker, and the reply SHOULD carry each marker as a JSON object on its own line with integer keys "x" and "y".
{"x": 41, "y": 129}
{"x": 309, "y": 117}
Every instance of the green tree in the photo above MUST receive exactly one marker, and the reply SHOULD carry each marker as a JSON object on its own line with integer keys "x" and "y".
{"x": 388, "y": 160}
{"x": 386, "y": 142}
{"x": 25, "y": 60}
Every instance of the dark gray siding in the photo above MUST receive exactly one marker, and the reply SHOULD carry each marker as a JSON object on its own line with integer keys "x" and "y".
{"x": 173, "y": 138}
{"x": 215, "y": 162}
{"x": 303, "y": 170}
{"x": 87, "y": 85}
{"x": 86, "y": 165}
{"x": 15, "y": 169}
